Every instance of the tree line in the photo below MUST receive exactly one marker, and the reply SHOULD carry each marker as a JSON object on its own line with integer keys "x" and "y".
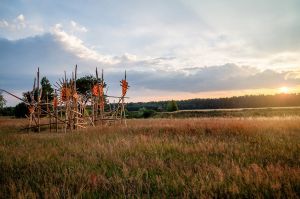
{"x": 247, "y": 101}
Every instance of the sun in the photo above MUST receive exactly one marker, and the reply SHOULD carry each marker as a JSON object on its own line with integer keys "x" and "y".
{"x": 284, "y": 90}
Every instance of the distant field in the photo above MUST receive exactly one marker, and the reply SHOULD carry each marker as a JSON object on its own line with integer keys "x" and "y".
{"x": 238, "y": 112}
{"x": 199, "y": 158}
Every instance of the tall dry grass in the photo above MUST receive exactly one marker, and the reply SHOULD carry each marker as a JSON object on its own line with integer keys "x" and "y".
{"x": 162, "y": 158}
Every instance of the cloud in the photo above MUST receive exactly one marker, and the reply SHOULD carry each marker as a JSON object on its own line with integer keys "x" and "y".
{"x": 213, "y": 78}
{"x": 3, "y": 23}
{"x": 20, "y": 59}
{"x": 53, "y": 53}
{"x": 200, "y": 33}
{"x": 76, "y": 27}
{"x": 19, "y": 27}
{"x": 268, "y": 25}
{"x": 294, "y": 75}
{"x": 21, "y": 18}
{"x": 58, "y": 51}
{"x": 197, "y": 33}
{"x": 76, "y": 46}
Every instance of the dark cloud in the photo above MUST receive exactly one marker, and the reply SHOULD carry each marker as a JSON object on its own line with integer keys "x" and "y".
{"x": 21, "y": 58}
{"x": 24, "y": 55}
{"x": 213, "y": 78}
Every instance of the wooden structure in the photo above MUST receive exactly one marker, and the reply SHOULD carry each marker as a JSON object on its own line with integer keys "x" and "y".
{"x": 70, "y": 110}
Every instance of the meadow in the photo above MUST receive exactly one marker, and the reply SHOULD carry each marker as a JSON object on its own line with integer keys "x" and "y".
{"x": 162, "y": 158}
{"x": 236, "y": 112}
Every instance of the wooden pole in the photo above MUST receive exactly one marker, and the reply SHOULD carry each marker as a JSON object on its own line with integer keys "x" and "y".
{"x": 55, "y": 112}
{"x": 38, "y": 94}
{"x": 93, "y": 108}
{"x": 48, "y": 109}
{"x": 72, "y": 114}
{"x": 123, "y": 103}
{"x": 97, "y": 98}
{"x": 30, "y": 120}
{"x": 66, "y": 104}
{"x": 75, "y": 90}
{"x": 102, "y": 98}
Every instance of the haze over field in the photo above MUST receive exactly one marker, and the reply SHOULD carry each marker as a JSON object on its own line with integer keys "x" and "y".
{"x": 171, "y": 49}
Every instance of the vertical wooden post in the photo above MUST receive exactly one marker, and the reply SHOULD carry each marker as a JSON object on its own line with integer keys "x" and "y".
{"x": 102, "y": 98}
{"x": 56, "y": 124}
{"x": 49, "y": 112}
{"x": 38, "y": 94}
{"x": 30, "y": 121}
{"x": 123, "y": 114}
{"x": 71, "y": 100}
{"x": 66, "y": 104}
{"x": 97, "y": 97}
{"x": 56, "y": 113}
{"x": 93, "y": 108}
{"x": 76, "y": 105}
{"x": 66, "y": 118}
{"x": 32, "y": 101}
{"x": 121, "y": 111}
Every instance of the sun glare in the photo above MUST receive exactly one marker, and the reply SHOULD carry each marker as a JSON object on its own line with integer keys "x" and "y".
{"x": 284, "y": 90}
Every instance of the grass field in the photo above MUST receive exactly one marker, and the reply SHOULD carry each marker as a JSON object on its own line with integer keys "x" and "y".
{"x": 161, "y": 158}
{"x": 236, "y": 112}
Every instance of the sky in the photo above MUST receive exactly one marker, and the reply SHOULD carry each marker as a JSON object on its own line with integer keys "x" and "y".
{"x": 171, "y": 49}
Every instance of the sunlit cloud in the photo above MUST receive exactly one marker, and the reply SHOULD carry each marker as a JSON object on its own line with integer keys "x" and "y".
{"x": 77, "y": 46}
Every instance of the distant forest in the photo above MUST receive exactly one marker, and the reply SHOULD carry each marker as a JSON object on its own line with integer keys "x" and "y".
{"x": 247, "y": 101}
